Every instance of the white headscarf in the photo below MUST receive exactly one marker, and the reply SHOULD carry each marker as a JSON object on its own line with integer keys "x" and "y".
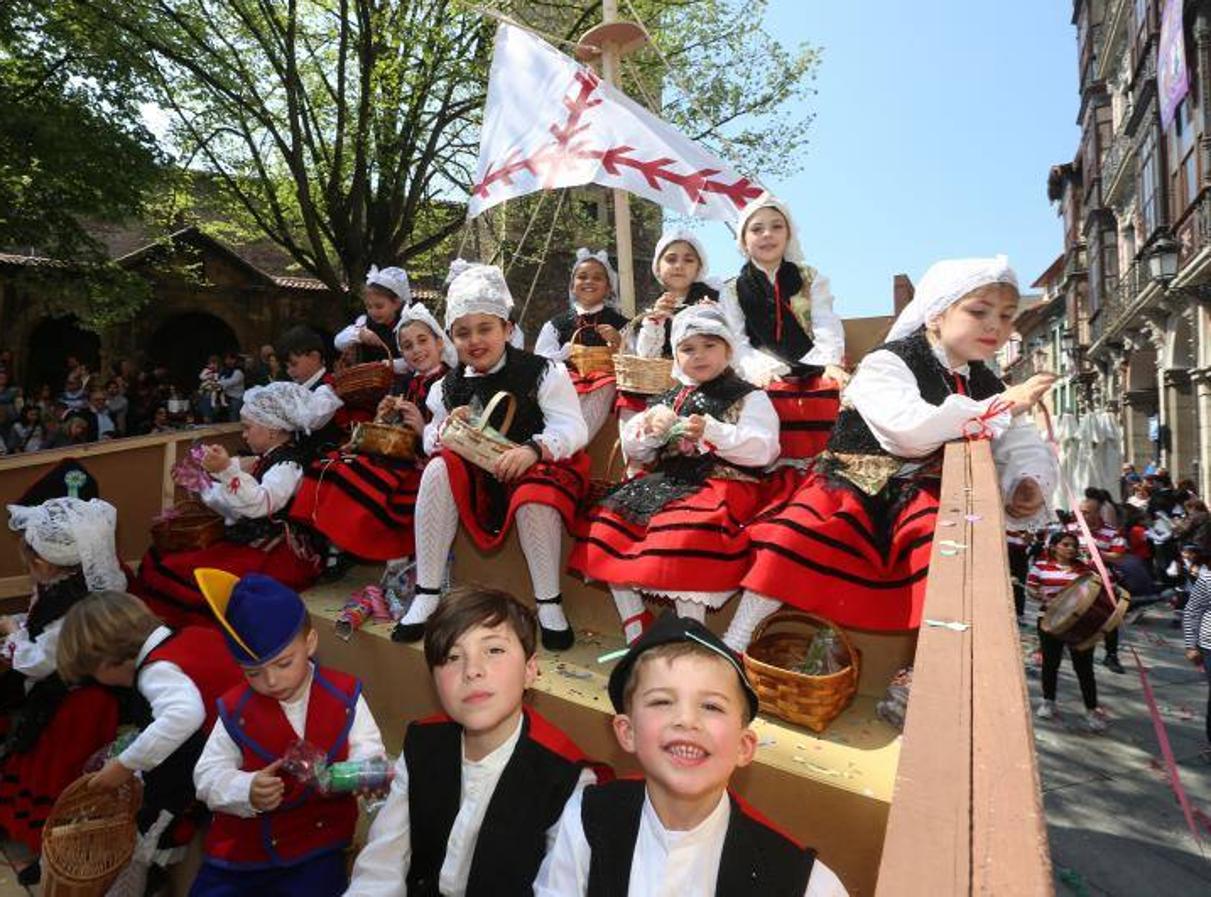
{"x": 281, "y": 405}
{"x": 793, "y": 251}
{"x": 944, "y": 284}
{"x": 69, "y": 531}
{"x": 602, "y": 258}
{"x": 680, "y": 235}
{"x": 699, "y": 320}
{"x": 393, "y": 279}
{"x": 416, "y": 313}
{"x": 477, "y": 289}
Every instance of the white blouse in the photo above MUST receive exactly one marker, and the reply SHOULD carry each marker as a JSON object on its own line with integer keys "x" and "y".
{"x": 34, "y": 658}
{"x": 236, "y": 494}
{"x": 564, "y": 432}
{"x": 177, "y": 709}
{"x": 665, "y": 863}
{"x": 752, "y": 441}
{"x": 324, "y": 401}
{"x": 548, "y": 346}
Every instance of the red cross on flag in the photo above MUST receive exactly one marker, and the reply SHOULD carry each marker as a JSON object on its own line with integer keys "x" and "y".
{"x": 551, "y": 122}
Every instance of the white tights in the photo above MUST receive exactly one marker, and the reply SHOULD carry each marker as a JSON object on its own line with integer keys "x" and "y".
{"x": 753, "y": 608}
{"x": 597, "y": 406}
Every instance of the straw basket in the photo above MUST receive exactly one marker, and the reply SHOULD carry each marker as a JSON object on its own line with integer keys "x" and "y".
{"x": 599, "y": 486}
{"x": 641, "y": 375}
{"x": 364, "y": 385}
{"x": 386, "y": 440}
{"x": 190, "y": 526}
{"x": 88, "y": 839}
{"x": 473, "y": 443}
{"x": 812, "y": 701}
{"x": 590, "y": 359}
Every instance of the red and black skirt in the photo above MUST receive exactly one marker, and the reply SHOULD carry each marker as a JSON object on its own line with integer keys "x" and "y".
{"x": 630, "y": 401}
{"x": 696, "y": 543}
{"x": 591, "y": 382}
{"x": 166, "y": 583}
{"x": 859, "y": 560}
{"x": 807, "y": 411}
{"x": 486, "y": 506}
{"x": 363, "y": 504}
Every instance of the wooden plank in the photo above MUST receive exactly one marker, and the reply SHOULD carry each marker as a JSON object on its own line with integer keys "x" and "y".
{"x": 931, "y": 806}
{"x": 51, "y": 457}
{"x": 1010, "y": 854}
{"x": 168, "y": 489}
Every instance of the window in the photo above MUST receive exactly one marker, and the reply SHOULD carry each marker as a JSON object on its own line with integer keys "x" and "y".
{"x": 1109, "y": 263}
{"x": 1184, "y": 174}
{"x": 1149, "y": 187}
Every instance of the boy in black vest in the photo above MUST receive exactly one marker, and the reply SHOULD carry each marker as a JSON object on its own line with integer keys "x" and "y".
{"x": 489, "y": 779}
{"x": 684, "y": 708}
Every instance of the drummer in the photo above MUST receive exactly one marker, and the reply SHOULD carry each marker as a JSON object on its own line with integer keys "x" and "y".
{"x": 1056, "y": 569}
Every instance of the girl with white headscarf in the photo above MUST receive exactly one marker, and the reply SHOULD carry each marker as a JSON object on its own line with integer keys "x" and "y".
{"x": 252, "y": 495}
{"x": 592, "y": 319}
{"x": 364, "y": 504}
{"x": 678, "y": 531}
{"x": 853, "y": 543}
{"x": 386, "y": 294}
{"x": 790, "y": 341}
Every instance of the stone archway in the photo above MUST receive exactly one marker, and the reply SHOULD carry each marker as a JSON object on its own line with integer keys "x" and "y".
{"x": 1140, "y": 401}
{"x": 183, "y": 342}
{"x": 52, "y": 341}
{"x": 1181, "y": 409}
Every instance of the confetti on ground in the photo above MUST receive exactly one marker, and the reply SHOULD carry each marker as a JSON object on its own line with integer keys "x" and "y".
{"x": 823, "y": 770}
{"x": 953, "y": 625}
{"x": 799, "y": 759}
{"x": 948, "y": 523}
{"x": 949, "y": 552}
{"x": 767, "y": 741}
{"x": 951, "y": 543}
{"x": 973, "y": 518}
{"x": 573, "y": 674}
{"x": 613, "y": 655}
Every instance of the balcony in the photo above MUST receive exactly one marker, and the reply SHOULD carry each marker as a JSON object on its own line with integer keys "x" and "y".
{"x": 1117, "y": 19}
{"x": 1117, "y": 167}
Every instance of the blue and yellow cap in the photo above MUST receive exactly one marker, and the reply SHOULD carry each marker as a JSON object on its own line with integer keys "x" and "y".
{"x": 260, "y": 616}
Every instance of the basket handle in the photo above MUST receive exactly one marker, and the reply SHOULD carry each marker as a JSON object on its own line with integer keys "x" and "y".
{"x": 615, "y": 454}
{"x": 800, "y": 616}
{"x": 378, "y": 339}
{"x": 501, "y": 396}
{"x": 579, "y": 330}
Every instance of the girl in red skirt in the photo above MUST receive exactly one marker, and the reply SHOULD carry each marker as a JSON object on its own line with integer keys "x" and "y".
{"x": 594, "y": 321}
{"x": 364, "y": 504}
{"x": 678, "y": 530}
{"x": 789, "y": 340}
{"x": 50, "y": 732}
{"x": 253, "y": 495}
{"x": 853, "y": 542}
{"x": 539, "y": 482}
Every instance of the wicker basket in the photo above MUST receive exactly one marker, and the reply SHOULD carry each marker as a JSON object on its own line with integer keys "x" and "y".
{"x": 190, "y": 526}
{"x": 470, "y": 441}
{"x": 812, "y": 701}
{"x": 89, "y": 837}
{"x": 640, "y": 375}
{"x": 364, "y": 385}
{"x": 599, "y": 486}
{"x": 386, "y": 440}
{"x": 590, "y": 359}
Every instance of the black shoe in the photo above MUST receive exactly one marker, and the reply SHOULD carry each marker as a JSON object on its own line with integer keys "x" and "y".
{"x": 336, "y": 567}
{"x": 30, "y": 875}
{"x": 408, "y": 632}
{"x": 555, "y": 639}
{"x": 1111, "y": 663}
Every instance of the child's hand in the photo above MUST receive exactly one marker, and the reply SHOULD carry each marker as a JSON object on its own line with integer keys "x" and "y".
{"x": 837, "y": 374}
{"x": 610, "y": 334}
{"x": 656, "y": 421}
{"x": 1026, "y": 500}
{"x": 462, "y": 412}
{"x": 514, "y": 463}
{"x": 694, "y": 426}
{"x": 215, "y": 458}
{"x": 411, "y": 415}
{"x": 113, "y": 775}
{"x": 267, "y": 789}
{"x": 9, "y": 625}
{"x": 1026, "y": 395}
{"x": 386, "y": 405}
{"x": 1194, "y": 655}
{"x": 367, "y": 336}
{"x": 664, "y": 307}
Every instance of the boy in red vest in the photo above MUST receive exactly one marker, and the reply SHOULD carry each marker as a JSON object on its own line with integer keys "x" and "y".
{"x": 113, "y": 638}
{"x": 486, "y": 782}
{"x": 272, "y": 836}
{"x": 684, "y": 706}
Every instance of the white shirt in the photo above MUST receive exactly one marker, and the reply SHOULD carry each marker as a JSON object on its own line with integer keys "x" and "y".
{"x": 225, "y": 788}
{"x": 752, "y": 441}
{"x": 564, "y": 432}
{"x": 759, "y": 367}
{"x": 236, "y": 494}
{"x": 324, "y": 402}
{"x": 176, "y": 707}
{"x": 548, "y": 346}
{"x": 34, "y": 658}
{"x": 665, "y": 863}
{"x": 382, "y": 867}
{"x": 885, "y": 392}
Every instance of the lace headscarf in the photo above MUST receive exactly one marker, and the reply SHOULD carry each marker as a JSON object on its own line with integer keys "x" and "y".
{"x": 699, "y": 320}
{"x": 602, "y": 258}
{"x": 67, "y": 532}
{"x": 394, "y": 280}
{"x": 477, "y": 289}
{"x": 680, "y": 235}
{"x": 418, "y": 314}
{"x": 793, "y": 251}
{"x": 281, "y": 405}
{"x": 944, "y": 284}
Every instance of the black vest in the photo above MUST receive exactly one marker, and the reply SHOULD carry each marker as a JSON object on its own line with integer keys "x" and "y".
{"x": 520, "y": 375}
{"x": 851, "y": 435}
{"x": 697, "y": 292}
{"x": 714, "y": 397}
{"x": 758, "y": 302}
{"x": 385, "y": 332}
{"x": 529, "y": 798}
{"x": 568, "y": 322}
{"x": 757, "y": 861}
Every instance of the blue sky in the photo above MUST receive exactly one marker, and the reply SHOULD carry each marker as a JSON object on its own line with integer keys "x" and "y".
{"x": 936, "y": 123}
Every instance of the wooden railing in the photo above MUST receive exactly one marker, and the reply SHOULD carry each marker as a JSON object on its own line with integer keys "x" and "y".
{"x": 966, "y": 815}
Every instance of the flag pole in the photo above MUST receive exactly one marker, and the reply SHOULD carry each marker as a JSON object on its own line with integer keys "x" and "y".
{"x": 612, "y": 39}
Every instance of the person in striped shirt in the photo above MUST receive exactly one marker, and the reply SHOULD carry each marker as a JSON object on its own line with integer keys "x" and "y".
{"x": 1053, "y": 572}
{"x": 1196, "y": 624}
{"x": 1112, "y": 546}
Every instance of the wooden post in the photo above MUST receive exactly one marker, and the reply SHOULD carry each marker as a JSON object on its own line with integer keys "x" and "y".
{"x": 622, "y": 200}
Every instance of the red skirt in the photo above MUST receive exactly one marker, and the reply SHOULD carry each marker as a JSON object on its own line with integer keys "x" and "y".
{"x": 807, "y": 410}
{"x": 363, "y": 504}
{"x": 165, "y": 581}
{"x": 591, "y": 382}
{"x": 486, "y": 506}
{"x": 30, "y": 782}
{"x": 698, "y": 543}
{"x": 858, "y": 560}
{"x": 630, "y": 401}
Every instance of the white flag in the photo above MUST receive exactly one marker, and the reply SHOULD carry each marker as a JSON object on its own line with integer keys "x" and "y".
{"x": 550, "y": 122}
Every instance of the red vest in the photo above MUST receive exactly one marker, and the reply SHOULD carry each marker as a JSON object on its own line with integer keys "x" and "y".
{"x": 202, "y": 655}
{"x": 305, "y": 824}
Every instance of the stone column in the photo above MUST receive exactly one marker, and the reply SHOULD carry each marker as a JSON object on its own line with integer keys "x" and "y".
{"x": 1181, "y": 413}
{"x": 1200, "y": 379}
{"x": 1137, "y": 408}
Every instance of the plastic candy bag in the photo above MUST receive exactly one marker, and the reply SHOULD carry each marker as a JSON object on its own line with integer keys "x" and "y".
{"x": 825, "y": 655}
{"x": 308, "y": 765}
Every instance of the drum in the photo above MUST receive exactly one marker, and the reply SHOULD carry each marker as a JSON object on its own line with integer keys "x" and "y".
{"x": 1082, "y": 613}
